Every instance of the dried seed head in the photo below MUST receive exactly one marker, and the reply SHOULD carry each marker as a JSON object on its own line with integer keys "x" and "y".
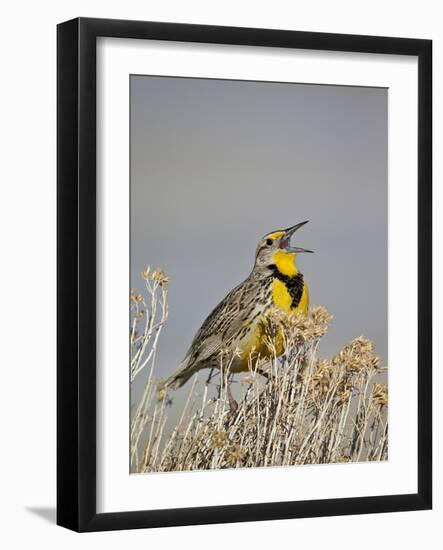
{"x": 357, "y": 355}
{"x": 380, "y": 394}
{"x": 295, "y": 329}
{"x": 321, "y": 379}
{"x": 155, "y": 275}
{"x": 343, "y": 458}
{"x": 344, "y": 392}
{"x": 224, "y": 350}
{"x": 160, "y": 276}
{"x": 237, "y": 352}
{"x": 235, "y": 454}
{"x": 145, "y": 273}
{"x": 135, "y": 296}
{"x": 320, "y": 315}
{"x": 218, "y": 440}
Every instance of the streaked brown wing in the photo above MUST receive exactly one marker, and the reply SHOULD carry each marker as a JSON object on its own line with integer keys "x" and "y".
{"x": 223, "y": 323}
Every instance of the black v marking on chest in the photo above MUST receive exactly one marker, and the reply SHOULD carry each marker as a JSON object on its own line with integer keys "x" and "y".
{"x": 294, "y": 284}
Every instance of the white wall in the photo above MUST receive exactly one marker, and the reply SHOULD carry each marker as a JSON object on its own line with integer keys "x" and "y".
{"x": 27, "y": 218}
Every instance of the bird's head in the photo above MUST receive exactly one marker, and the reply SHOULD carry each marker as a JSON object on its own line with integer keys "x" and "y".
{"x": 275, "y": 250}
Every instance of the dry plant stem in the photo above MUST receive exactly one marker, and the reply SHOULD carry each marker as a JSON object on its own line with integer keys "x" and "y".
{"x": 149, "y": 320}
{"x": 154, "y": 321}
{"x": 307, "y": 410}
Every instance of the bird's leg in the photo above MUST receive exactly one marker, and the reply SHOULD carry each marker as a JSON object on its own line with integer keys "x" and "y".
{"x": 233, "y": 405}
{"x": 210, "y": 376}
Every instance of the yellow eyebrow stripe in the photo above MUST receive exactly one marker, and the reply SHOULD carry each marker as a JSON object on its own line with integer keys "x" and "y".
{"x": 275, "y": 235}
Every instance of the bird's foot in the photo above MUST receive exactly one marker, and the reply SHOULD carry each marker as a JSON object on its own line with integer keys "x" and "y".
{"x": 233, "y": 405}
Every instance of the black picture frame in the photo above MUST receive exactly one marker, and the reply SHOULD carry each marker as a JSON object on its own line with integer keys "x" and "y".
{"x": 76, "y": 264}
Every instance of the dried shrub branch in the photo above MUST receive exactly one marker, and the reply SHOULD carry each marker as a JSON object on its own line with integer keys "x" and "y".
{"x": 305, "y": 410}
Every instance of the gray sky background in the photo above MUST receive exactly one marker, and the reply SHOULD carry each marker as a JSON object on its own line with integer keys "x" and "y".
{"x": 215, "y": 165}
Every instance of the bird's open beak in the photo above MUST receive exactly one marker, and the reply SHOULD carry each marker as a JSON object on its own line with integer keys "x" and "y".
{"x": 284, "y": 243}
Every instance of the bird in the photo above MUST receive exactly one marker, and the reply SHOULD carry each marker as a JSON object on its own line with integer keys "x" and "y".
{"x": 237, "y": 322}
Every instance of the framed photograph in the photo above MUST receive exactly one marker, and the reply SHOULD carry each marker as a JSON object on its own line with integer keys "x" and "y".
{"x": 220, "y": 359}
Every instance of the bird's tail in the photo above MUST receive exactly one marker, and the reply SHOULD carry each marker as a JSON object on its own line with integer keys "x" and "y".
{"x": 178, "y": 378}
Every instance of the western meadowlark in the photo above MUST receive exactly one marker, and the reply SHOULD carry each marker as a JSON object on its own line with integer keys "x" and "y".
{"x": 237, "y": 322}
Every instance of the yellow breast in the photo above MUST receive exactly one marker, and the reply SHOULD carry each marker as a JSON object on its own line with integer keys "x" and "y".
{"x": 255, "y": 346}
{"x": 282, "y": 298}
{"x": 303, "y": 305}
{"x": 280, "y": 295}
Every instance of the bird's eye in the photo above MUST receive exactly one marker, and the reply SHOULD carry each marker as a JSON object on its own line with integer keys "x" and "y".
{"x": 269, "y": 242}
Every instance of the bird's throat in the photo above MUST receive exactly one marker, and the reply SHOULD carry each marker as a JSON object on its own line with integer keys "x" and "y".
{"x": 285, "y": 263}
